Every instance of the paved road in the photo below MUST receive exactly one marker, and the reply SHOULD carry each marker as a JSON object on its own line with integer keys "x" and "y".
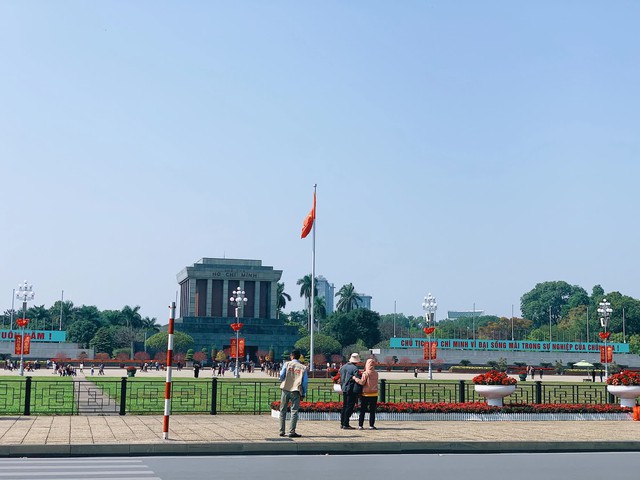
{"x": 595, "y": 466}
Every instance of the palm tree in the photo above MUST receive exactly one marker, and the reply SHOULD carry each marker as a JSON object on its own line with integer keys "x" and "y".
{"x": 149, "y": 325}
{"x": 283, "y": 298}
{"x": 349, "y": 298}
{"x": 319, "y": 310}
{"x": 39, "y": 316}
{"x": 66, "y": 309}
{"x": 133, "y": 321}
{"x": 305, "y": 291}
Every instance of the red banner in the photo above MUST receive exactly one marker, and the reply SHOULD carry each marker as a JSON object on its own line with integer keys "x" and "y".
{"x": 17, "y": 338}
{"x": 430, "y": 350}
{"x": 27, "y": 344}
{"x": 609, "y": 354}
{"x": 232, "y": 350}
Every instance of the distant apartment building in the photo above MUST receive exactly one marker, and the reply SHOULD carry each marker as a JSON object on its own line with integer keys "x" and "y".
{"x": 365, "y": 301}
{"x": 326, "y": 290}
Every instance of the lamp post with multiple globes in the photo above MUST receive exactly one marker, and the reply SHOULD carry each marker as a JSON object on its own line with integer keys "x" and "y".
{"x": 238, "y": 299}
{"x": 25, "y": 293}
{"x": 605, "y": 311}
{"x": 429, "y": 306}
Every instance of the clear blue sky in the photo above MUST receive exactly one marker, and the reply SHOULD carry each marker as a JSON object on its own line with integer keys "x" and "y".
{"x": 468, "y": 149}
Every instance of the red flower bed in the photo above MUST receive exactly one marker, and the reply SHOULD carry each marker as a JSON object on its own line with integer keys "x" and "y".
{"x": 474, "y": 407}
{"x": 494, "y": 378}
{"x": 625, "y": 377}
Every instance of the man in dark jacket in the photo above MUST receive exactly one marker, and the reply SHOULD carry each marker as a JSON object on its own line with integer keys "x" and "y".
{"x": 349, "y": 397}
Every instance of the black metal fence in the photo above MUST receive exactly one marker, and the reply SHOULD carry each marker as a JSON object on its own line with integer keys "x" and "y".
{"x": 108, "y": 396}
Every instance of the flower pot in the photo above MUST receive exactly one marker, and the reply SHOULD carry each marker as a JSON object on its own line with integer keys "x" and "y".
{"x": 627, "y": 394}
{"x": 495, "y": 393}
{"x": 131, "y": 373}
{"x": 337, "y": 388}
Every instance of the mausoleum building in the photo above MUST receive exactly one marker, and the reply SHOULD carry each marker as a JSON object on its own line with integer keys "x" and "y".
{"x": 205, "y": 312}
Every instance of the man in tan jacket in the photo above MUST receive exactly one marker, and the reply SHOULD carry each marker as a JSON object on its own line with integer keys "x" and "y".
{"x": 294, "y": 387}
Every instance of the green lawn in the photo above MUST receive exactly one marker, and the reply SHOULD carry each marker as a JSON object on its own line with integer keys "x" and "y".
{"x": 55, "y": 395}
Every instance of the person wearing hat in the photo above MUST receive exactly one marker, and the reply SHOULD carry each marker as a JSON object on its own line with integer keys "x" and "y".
{"x": 349, "y": 396}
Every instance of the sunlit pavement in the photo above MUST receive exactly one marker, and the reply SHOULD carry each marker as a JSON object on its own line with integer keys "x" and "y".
{"x": 206, "y": 373}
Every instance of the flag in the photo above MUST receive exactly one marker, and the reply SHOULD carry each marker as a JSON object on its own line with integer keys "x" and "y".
{"x": 308, "y": 222}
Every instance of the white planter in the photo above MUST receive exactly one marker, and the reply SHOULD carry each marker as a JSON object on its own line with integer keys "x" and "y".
{"x": 627, "y": 394}
{"x": 469, "y": 417}
{"x": 495, "y": 393}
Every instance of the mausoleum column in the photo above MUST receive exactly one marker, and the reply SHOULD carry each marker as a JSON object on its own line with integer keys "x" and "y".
{"x": 225, "y": 298}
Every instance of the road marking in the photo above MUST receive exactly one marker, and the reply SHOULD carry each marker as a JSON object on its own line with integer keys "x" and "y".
{"x": 75, "y": 469}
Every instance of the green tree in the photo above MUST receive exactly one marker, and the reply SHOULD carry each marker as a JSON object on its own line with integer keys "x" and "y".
{"x": 549, "y": 301}
{"x": 321, "y": 344}
{"x": 283, "y": 298}
{"x": 297, "y": 319}
{"x": 349, "y": 298}
{"x": 181, "y": 342}
{"x": 319, "y": 308}
{"x": 38, "y": 317}
{"x": 81, "y": 331}
{"x": 67, "y": 310}
{"x": 89, "y": 314}
{"x": 102, "y": 341}
{"x": 348, "y": 328}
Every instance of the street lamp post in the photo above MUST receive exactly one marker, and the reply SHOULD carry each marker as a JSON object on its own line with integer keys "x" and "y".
{"x": 605, "y": 311}
{"x": 238, "y": 299}
{"x": 429, "y": 306}
{"x": 25, "y": 293}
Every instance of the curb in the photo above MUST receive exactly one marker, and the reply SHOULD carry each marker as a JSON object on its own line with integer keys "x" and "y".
{"x": 292, "y": 447}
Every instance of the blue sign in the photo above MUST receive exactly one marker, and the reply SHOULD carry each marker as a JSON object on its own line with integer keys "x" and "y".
{"x": 56, "y": 336}
{"x": 514, "y": 346}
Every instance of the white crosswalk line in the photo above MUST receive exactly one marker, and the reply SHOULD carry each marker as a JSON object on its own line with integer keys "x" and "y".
{"x": 75, "y": 469}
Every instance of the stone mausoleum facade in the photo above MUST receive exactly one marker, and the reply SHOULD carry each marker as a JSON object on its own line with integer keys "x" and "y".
{"x": 205, "y": 312}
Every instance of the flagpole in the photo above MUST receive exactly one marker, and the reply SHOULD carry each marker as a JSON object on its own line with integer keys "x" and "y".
{"x": 313, "y": 278}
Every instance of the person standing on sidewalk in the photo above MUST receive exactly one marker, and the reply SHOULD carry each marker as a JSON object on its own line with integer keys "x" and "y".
{"x": 294, "y": 388}
{"x": 369, "y": 397}
{"x": 349, "y": 397}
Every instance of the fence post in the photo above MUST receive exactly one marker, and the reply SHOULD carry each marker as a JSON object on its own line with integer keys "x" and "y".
{"x": 214, "y": 396}
{"x": 538, "y": 392}
{"x": 123, "y": 396}
{"x": 461, "y": 394}
{"x": 27, "y": 396}
{"x": 383, "y": 393}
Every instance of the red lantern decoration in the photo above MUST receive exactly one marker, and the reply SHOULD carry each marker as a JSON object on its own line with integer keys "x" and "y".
{"x": 604, "y": 335}
{"x": 429, "y": 330}
{"x": 236, "y": 326}
{"x": 22, "y": 322}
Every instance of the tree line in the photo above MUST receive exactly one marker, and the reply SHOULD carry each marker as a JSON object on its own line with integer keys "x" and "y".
{"x": 553, "y": 310}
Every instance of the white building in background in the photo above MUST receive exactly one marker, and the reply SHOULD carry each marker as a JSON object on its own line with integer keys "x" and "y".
{"x": 326, "y": 290}
{"x": 454, "y": 314}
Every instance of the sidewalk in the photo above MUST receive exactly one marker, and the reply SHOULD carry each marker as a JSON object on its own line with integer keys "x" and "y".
{"x": 258, "y": 434}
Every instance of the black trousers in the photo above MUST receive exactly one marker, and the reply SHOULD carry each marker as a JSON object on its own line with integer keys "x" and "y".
{"x": 368, "y": 403}
{"x": 348, "y": 405}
